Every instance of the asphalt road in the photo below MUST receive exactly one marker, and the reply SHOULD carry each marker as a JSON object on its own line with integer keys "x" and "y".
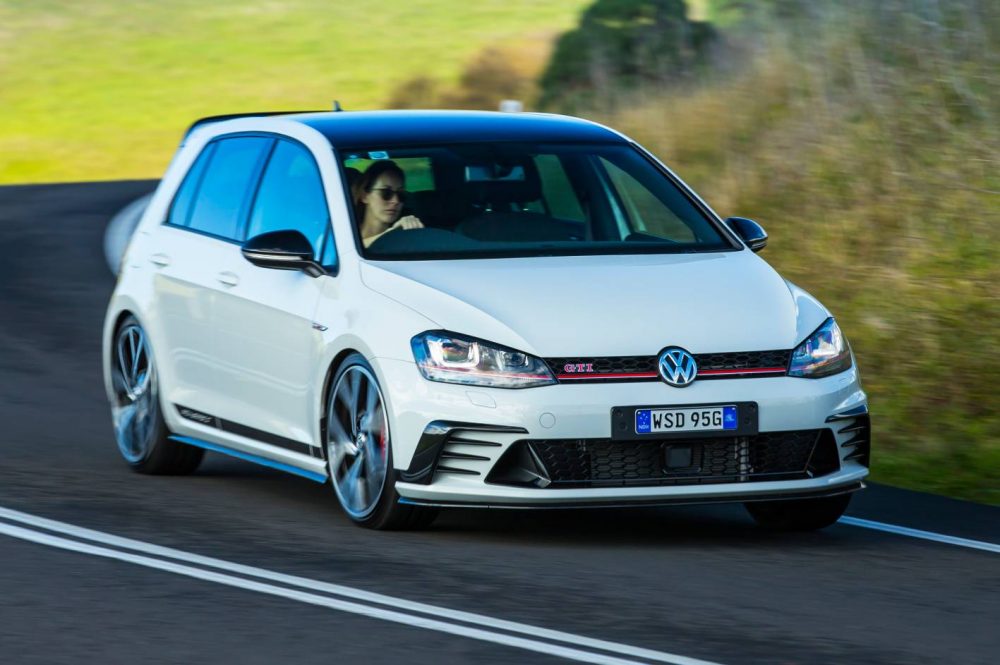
{"x": 699, "y": 582}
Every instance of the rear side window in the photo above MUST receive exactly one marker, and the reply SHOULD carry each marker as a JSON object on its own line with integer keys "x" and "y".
{"x": 180, "y": 210}
{"x": 225, "y": 186}
{"x": 291, "y": 196}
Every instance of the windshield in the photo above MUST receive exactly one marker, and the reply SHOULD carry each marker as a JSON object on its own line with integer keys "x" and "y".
{"x": 514, "y": 199}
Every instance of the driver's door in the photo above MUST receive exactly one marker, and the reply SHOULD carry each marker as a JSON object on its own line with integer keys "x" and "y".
{"x": 268, "y": 346}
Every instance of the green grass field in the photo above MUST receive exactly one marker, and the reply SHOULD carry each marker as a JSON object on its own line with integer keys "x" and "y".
{"x": 104, "y": 89}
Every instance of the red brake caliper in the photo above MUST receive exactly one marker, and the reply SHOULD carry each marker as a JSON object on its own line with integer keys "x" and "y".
{"x": 383, "y": 440}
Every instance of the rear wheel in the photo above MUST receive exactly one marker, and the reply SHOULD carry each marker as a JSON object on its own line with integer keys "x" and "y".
{"x": 359, "y": 452}
{"x": 140, "y": 431}
{"x": 799, "y": 514}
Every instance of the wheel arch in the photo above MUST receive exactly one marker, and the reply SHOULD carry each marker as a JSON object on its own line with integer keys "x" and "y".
{"x": 119, "y": 320}
{"x": 331, "y": 371}
{"x": 111, "y": 328}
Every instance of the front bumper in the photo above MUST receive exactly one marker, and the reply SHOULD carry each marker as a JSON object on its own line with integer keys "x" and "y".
{"x": 455, "y": 469}
{"x": 443, "y": 497}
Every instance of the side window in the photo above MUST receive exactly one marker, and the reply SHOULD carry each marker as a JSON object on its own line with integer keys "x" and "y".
{"x": 291, "y": 197}
{"x": 328, "y": 257}
{"x": 225, "y": 186}
{"x": 180, "y": 209}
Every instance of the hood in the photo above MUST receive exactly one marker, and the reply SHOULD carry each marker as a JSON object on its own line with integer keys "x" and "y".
{"x": 607, "y": 305}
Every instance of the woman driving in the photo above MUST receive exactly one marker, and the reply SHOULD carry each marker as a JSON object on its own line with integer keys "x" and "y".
{"x": 379, "y": 195}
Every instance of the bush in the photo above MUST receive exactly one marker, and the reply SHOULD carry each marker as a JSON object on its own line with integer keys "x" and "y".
{"x": 494, "y": 74}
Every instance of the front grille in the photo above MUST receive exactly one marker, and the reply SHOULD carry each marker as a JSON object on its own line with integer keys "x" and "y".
{"x": 606, "y": 365}
{"x": 608, "y": 463}
{"x": 736, "y": 364}
{"x": 742, "y": 360}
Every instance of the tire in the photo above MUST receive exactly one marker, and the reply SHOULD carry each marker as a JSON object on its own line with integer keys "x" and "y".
{"x": 798, "y": 514}
{"x": 140, "y": 431}
{"x": 359, "y": 452}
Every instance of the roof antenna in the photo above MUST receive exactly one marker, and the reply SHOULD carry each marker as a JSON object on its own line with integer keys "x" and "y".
{"x": 336, "y": 105}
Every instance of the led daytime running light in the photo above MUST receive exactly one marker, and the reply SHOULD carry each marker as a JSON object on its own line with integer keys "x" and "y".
{"x": 823, "y": 353}
{"x": 452, "y": 358}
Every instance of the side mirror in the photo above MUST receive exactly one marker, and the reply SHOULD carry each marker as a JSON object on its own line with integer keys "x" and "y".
{"x": 282, "y": 250}
{"x": 749, "y": 231}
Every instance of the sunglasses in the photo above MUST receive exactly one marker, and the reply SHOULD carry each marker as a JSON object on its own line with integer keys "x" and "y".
{"x": 388, "y": 193}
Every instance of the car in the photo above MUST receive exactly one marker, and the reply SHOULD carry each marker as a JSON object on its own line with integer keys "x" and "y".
{"x": 544, "y": 316}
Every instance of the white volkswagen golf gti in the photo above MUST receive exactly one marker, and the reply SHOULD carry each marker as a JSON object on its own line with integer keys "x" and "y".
{"x": 431, "y": 309}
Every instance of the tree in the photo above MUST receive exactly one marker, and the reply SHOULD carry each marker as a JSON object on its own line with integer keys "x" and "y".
{"x": 622, "y": 44}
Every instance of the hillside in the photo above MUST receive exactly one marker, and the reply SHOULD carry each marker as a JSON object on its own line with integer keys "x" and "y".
{"x": 104, "y": 89}
{"x": 866, "y": 139}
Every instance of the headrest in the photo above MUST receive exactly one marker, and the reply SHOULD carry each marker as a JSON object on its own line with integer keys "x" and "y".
{"x": 353, "y": 175}
{"x": 518, "y": 185}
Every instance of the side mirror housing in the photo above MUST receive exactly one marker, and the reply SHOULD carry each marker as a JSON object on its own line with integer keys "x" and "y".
{"x": 282, "y": 250}
{"x": 749, "y": 231}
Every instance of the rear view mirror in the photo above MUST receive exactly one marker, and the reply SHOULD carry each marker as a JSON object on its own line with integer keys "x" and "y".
{"x": 495, "y": 173}
{"x": 282, "y": 250}
{"x": 749, "y": 231}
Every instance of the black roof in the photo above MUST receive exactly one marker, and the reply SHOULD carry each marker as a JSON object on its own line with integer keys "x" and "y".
{"x": 369, "y": 128}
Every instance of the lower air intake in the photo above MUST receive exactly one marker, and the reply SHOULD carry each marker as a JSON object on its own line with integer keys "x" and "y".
{"x": 567, "y": 463}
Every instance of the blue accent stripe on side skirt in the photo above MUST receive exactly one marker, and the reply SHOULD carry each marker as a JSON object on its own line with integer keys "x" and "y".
{"x": 256, "y": 459}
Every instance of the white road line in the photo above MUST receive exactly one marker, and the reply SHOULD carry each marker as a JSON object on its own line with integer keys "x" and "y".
{"x": 578, "y": 641}
{"x": 925, "y": 535}
{"x": 313, "y": 599}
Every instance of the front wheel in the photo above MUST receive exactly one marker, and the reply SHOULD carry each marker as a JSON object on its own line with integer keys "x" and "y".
{"x": 359, "y": 452}
{"x": 140, "y": 431}
{"x": 798, "y": 514}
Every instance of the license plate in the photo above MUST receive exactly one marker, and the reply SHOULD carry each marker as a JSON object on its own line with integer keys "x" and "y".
{"x": 689, "y": 419}
{"x": 679, "y": 421}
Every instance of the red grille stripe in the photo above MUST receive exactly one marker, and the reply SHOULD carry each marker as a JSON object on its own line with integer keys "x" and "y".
{"x": 654, "y": 375}
{"x": 756, "y": 370}
{"x": 609, "y": 375}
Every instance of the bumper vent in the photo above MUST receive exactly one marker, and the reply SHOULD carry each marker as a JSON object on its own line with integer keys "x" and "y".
{"x": 856, "y": 423}
{"x": 448, "y": 446}
{"x": 643, "y": 368}
{"x": 605, "y": 463}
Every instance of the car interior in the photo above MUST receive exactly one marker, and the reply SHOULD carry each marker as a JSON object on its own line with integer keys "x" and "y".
{"x": 474, "y": 198}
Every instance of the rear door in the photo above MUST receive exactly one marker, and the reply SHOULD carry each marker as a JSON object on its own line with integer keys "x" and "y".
{"x": 269, "y": 349}
{"x": 188, "y": 255}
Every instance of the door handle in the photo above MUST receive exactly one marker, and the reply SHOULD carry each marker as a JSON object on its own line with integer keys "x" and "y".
{"x": 161, "y": 260}
{"x": 228, "y": 278}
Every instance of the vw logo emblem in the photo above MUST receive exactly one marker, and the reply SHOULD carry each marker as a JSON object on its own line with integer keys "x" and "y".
{"x": 677, "y": 367}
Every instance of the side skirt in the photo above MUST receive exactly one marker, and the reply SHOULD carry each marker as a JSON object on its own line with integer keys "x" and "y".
{"x": 256, "y": 459}
{"x": 239, "y": 429}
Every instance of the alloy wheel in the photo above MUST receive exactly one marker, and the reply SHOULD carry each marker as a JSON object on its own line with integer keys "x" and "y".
{"x": 135, "y": 411}
{"x": 357, "y": 441}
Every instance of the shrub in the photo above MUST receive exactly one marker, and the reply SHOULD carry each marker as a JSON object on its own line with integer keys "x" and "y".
{"x": 493, "y": 74}
{"x": 624, "y": 44}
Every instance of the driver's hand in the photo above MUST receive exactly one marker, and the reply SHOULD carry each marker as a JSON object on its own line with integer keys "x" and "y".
{"x": 408, "y": 222}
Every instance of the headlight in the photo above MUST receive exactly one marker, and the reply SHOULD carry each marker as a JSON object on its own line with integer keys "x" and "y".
{"x": 451, "y": 358}
{"x": 825, "y": 352}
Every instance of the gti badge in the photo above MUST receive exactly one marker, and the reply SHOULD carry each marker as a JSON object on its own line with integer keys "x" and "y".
{"x": 571, "y": 368}
{"x": 677, "y": 367}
